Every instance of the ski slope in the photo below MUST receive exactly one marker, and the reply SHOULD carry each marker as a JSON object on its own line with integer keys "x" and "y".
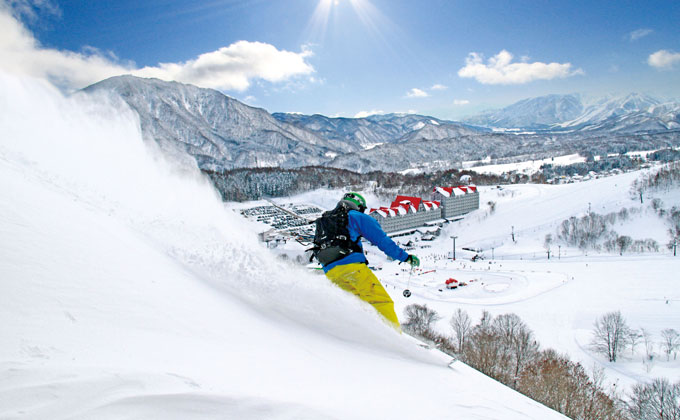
{"x": 127, "y": 290}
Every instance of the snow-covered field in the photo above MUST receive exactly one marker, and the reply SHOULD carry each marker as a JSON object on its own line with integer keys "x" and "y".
{"x": 528, "y": 167}
{"x": 127, "y": 290}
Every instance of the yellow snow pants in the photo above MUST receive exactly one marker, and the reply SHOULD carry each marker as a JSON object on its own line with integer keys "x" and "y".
{"x": 359, "y": 280}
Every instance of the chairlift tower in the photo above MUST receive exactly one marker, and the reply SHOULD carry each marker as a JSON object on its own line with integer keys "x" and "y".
{"x": 454, "y": 247}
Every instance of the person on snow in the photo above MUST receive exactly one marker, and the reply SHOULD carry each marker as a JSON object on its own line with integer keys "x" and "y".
{"x": 338, "y": 248}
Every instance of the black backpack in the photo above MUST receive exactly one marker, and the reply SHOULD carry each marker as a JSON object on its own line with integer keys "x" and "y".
{"x": 332, "y": 240}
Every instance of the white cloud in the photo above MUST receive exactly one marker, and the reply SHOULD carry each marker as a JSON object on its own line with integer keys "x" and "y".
{"x": 663, "y": 59}
{"x": 364, "y": 114}
{"x": 233, "y": 67}
{"x": 639, "y": 33}
{"x": 229, "y": 68}
{"x": 416, "y": 93}
{"x": 500, "y": 70}
{"x": 21, "y": 53}
{"x": 460, "y": 102}
{"x": 439, "y": 87}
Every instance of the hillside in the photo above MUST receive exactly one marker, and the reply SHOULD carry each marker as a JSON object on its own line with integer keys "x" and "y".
{"x": 221, "y": 133}
{"x": 132, "y": 293}
{"x": 218, "y": 131}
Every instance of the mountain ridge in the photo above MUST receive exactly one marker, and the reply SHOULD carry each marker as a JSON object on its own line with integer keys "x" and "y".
{"x": 221, "y": 133}
{"x": 627, "y": 113}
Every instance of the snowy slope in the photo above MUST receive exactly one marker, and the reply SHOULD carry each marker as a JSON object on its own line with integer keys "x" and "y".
{"x": 127, "y": 291}
{"x": 586, "y": 284}
{"x": 612, "y": 107}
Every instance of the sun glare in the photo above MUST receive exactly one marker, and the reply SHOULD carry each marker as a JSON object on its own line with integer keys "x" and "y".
{"x": 369, "y": 16}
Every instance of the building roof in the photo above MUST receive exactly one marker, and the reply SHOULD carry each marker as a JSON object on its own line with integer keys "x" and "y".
{"x": 431, "y": 205}
{"x": 457, "y": 190}
{"x": 408, "y": 201}
{"x": 406, "y": 206}
{"x": 393, "y": 211}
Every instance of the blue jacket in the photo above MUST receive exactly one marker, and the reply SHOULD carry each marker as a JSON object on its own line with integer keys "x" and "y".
{"x": 361, "y": 224}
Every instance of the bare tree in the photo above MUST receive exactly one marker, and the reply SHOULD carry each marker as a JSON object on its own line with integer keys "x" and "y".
{"x": 634, "y": 339}
{"x": 648, "y": 340}
{"x": 461, "y": 325}
{"x": 658, "y": 400}
{"x": 564, "y": 386}
{"x": 670, "y": 343}
{"x": 623, "y": 243}
{"x": 485, "y": 320}
{"x": 419, "y": 318}
{"x": 483, "y": 350}
{"x": 518, "y": 343}
{"x": 611, "y": 335}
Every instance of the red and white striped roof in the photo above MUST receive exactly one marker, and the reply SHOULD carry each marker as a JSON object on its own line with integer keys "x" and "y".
{"x": 431, "y": 205}
{"x": 405, "y": 207}
{"x": 458, "y": 190}
{"x": 412, "y": 202}
{"x": 391, "y": 211}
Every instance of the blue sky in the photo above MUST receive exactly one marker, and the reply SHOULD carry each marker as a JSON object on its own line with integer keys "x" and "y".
{"x": 353, "y": 57}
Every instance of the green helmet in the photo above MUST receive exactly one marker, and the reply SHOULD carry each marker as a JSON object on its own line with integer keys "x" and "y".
{"x": 355, "y": 201}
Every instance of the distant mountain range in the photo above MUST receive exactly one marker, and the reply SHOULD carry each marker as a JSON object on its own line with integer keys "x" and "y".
{"x": 375, "y": 130}
{"x": 633, "y": 113}
{"x": 222, "y": 133}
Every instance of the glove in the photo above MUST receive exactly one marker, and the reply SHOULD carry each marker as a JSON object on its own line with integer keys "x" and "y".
{"x": 413, "y": 260}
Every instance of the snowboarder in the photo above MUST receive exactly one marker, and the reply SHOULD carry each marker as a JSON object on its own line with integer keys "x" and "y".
{"x": 338, "y": 248}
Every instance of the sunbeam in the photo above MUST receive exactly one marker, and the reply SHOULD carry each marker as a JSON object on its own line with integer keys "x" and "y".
{"x": 318, "y": 24}
{"x": 378, "y": 28}
{"x": 375, "y": 23}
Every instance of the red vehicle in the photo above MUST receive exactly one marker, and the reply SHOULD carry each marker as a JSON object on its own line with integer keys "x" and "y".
{"x": 451, "y": 283}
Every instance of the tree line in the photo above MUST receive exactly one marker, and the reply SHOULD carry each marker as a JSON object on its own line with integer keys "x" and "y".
{"x": 246, "y": 184}
{"x": 256, "y": 183}
{"x": 612, "y": 336}
{"x": 622, "y": 162}
{"x": 504, "y": 348}
{"x": 593, "y": 231}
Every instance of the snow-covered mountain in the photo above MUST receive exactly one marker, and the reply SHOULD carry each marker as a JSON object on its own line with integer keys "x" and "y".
{"x": 377, "y": 129}
{"x": 631, "y": 113}
{"x": 220, "y": 132}
{"x": 223, "y": 133}
{"x": 533, "y": 113}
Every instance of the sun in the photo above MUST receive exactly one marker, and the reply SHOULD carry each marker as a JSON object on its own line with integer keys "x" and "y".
{"x": 364, "y": 10}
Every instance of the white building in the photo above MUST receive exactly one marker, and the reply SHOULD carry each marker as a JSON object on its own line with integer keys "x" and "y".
{"x": 457, "y": 200}
{"x": 407, "y": 213}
